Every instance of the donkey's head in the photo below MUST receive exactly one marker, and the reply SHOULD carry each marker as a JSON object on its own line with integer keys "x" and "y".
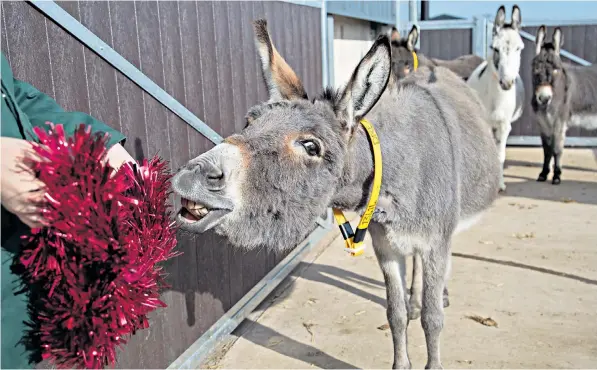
{"x": 266, "y": 185}
{"x": 403, "y": 49}
{"x": 507, "y": 46}
{"x": 547, "y": 67}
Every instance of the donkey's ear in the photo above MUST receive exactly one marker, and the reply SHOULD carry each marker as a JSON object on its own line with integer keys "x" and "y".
{"x": 516, "y": 18}
{"x": 367, "y": 83}
{"x": 394, "y": 34}
{"x": 540, "y": 39}
{"x": 282, "y": 83}
{"x": 558, "y": 39}
{"x": 500, "y": 19}
{"x": 413, "y": 37}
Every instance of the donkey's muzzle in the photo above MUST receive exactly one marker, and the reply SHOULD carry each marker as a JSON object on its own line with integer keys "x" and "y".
{"x": 543, "y": 95}
{"x": 506, "y": 85}
{"x": 210, "y": 178}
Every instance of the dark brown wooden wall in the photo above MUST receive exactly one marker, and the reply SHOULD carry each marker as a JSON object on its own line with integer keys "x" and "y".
{"x": 580, "y": 41}
{"x": 446, "y": 44}
{"x": 203, "y": 54}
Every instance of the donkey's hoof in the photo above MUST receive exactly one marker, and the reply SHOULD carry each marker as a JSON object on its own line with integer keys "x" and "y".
{"x": 556, "y": 181}
{"x": 434, "y": 366}
{"x": 542, "y": 178}
{"x": 446, "y": 301}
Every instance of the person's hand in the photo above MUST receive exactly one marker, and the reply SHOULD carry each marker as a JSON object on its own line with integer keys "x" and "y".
{"x": 21, "y": 192}
{"x": 117, "y": 156}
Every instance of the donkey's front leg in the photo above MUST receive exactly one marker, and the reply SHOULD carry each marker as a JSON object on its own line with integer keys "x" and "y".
{"x": 501, "y": 132}
{"x": 393, "y": 269}
{"x": 547, "y": 154}
{"x": 558, "y": 141}
{"x": 435, "y": 270}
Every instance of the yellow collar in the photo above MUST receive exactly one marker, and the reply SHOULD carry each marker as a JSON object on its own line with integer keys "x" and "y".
{"x": 415, "y": 61}
{"x": 354, "y": 241}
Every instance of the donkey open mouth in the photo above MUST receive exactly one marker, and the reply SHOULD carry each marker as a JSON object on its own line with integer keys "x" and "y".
{"x": 196, "y": 217}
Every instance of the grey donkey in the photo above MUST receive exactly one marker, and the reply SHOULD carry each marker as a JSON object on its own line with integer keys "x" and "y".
{"x": 266, "y": 186}
{"x": 403, "y": 60}
{"x": 403, "y": 63}
{"x": 563, "y": 95}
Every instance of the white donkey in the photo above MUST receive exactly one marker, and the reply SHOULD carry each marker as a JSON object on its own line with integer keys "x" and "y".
{"x": 498, "y": 83}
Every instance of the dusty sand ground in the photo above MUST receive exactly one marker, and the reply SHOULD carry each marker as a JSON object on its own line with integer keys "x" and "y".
{"x": 530, "y": 265}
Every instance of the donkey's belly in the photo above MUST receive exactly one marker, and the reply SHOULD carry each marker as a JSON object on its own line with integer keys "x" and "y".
{"x": 467, "y": 222}
{"x": 586, "y": 121}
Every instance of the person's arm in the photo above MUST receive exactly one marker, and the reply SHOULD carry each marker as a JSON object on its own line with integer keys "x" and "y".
{"x": 40, "y": 109}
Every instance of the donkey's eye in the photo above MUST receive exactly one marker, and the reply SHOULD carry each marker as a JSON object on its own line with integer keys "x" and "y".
{"x": 311, "y": 147}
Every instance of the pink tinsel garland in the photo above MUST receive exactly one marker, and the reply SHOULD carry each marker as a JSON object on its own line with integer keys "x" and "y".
{"x": 91, "y": 275}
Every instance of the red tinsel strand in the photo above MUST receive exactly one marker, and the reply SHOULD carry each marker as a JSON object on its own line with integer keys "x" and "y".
{"x": 92, "y": 275}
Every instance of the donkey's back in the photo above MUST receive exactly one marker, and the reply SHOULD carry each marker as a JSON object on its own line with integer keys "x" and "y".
{"x": 449, "y": 171}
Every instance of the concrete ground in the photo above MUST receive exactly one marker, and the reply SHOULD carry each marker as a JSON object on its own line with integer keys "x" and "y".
{"x": 530, "y": 265}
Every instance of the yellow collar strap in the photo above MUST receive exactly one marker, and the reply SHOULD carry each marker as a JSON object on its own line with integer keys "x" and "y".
{"x": 354, "y": 241}
{"x": 415, "y": 61}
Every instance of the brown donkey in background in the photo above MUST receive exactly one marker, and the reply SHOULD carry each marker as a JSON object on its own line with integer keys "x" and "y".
{"x": 404, "y": 54}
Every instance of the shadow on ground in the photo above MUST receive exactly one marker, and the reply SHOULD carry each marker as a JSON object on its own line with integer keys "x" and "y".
{"x": 269, "y": 338}
{"x": 333, "y": 276}
{"x": 568, "y": 191}
{"x": 518, "y": 163}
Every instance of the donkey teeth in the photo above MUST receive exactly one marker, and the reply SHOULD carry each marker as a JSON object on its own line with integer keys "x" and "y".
{"x": 190, "y": 205}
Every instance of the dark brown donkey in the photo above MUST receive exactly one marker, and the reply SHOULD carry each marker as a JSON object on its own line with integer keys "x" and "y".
{"x": 563, "y": 95}
{"x": 403, "y": 57}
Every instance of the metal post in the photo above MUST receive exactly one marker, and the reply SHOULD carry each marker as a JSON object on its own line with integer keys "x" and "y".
{"x": 330, "y": 42}
{"x": 413, "y": 19}
{"x": 412, "y": 11}
{"x": 488, "y": 35}
{"x": 479, "y": 38}
{"x": 397, "y": 14}
{"x": 324, "y": 43}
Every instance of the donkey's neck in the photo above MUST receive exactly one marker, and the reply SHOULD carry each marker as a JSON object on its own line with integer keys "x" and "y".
{"x": 354, "y": 186}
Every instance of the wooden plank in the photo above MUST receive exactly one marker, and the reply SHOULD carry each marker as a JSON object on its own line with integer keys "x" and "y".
{"x": 101, "y": 77}
{"x": 68, "y": 65}
{"x": 174, "y": 84}
{"x": 254, "y": 264}
{"x": 259, "y": 13}
{"x": 192, "y": 62}
{"x": 223, "y": 68}
{"x": 313, "y": 39}
{"x": 124, "y": 41}
{"x": 237, "y": 63}
{"x": 30, "y": 41}
{"x": 251, "y": 67}
{"x": 590, "y": 50}
{"x": 234, "y": 19}
{"x": 288, "y": 38}
{"x": 299, "y": 29}
{"x": 212, "y": 254}
{"x": 153, "y": 352}
{"x": 158, "y": 138}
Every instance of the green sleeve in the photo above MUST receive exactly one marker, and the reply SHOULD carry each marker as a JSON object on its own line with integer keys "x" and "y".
{"x": 40, "y": 109}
